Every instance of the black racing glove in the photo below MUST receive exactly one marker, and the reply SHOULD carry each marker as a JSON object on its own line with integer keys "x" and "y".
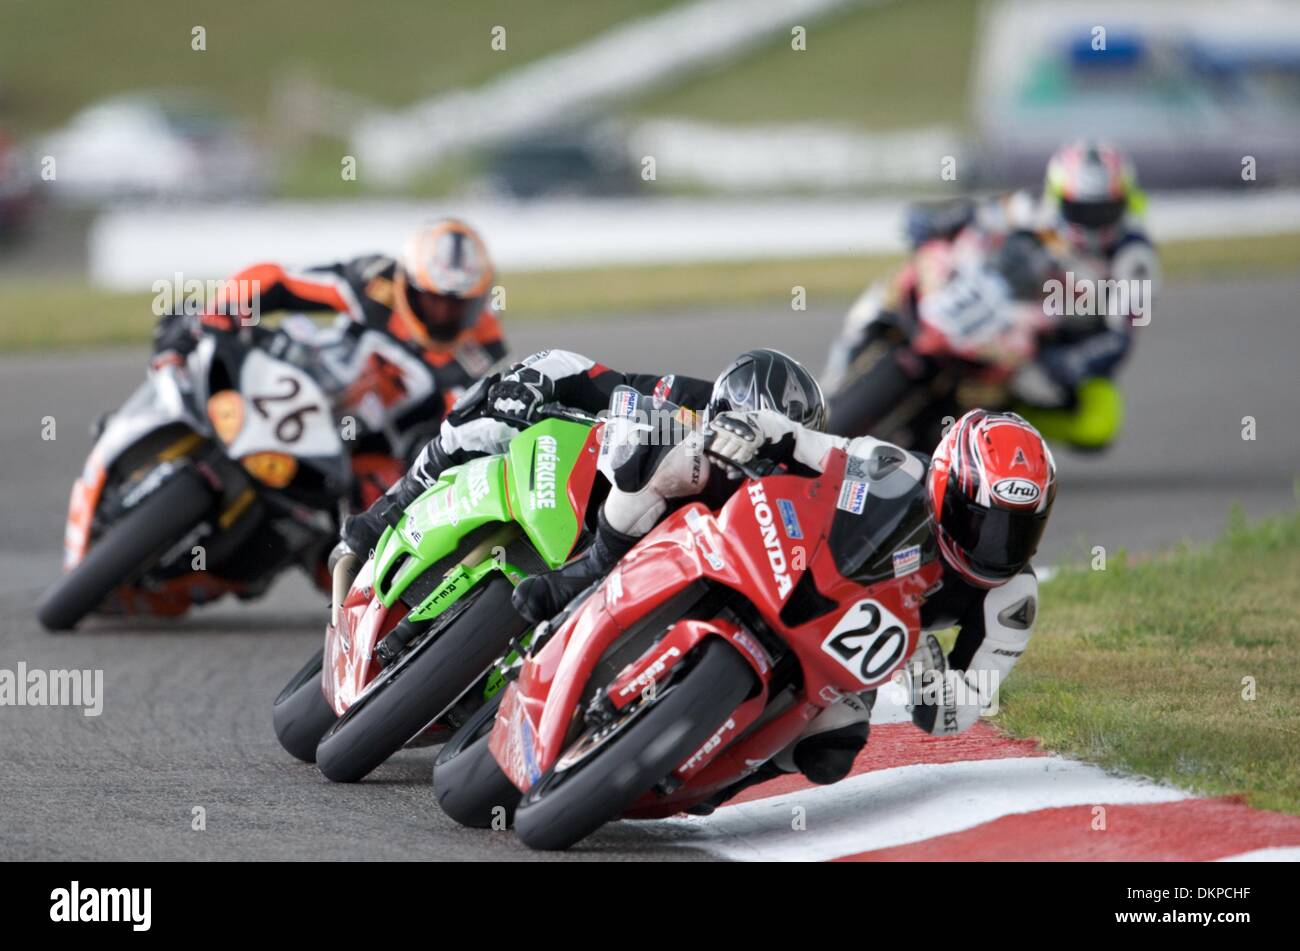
{"x": 518, "y": 395}
{"x": 175, "y": 333}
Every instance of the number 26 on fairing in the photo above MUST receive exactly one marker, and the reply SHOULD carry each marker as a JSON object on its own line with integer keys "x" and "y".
{"x": 868, "y": 641}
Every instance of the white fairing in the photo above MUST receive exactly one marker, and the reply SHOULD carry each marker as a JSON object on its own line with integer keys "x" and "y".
{"x": 285, "y": 411}
{"x": 161, "y": 399}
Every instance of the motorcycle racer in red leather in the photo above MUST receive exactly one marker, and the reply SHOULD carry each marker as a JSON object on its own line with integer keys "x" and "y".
{"x": 988, "y": 491}
{"x": 414, "y": 331}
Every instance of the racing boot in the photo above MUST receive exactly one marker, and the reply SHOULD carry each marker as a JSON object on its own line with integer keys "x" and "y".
{"x": 361, "y": 532}
{"x": 824, "y": 752}
{"x": 542, "y": 596}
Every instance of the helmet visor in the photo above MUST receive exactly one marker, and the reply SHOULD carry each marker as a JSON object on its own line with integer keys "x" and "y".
{"x": 997, "y": 542}
{"x": 1094, "y": 214}
{"x": 444, "y": 316}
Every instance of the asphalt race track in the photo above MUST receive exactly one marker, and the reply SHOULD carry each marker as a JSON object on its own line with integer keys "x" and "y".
{"x": 186, "y": 718}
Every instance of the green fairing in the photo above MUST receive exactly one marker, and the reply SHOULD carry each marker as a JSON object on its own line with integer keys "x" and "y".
{"x": 528, "y": 485}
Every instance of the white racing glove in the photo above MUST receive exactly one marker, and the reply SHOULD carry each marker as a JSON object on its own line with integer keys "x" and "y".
{"x": 735, "y": 439}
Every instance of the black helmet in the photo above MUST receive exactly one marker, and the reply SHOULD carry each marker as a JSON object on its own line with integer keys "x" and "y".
{"x": 768, "y": 379}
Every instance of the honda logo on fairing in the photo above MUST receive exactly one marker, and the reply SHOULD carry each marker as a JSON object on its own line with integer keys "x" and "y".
{"x": 775, "y": 553}
{"x": 1016, "y": 491}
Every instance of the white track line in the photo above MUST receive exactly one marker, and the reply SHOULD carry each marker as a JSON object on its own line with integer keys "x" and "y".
{"x": 898, "y": 806}
{"x": 1282, "y": 853}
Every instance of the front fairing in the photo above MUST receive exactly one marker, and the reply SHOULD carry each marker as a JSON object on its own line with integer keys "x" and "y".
{"x": 762, "y": 543}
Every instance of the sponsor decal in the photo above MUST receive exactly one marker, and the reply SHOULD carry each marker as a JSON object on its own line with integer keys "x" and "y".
{"x": 907, "y": 560}
{"x": 1016, "y": 491}
{"x": 478, "y": 483}
{"x": 700, "y": 529}
{"x": 711, "y": 744}
{"x": 752, "y": 648}
{"x": 856, "y": 468}
{"x": 614, "y": 587}
{"x": 412, "y": 534}
{"x": 528, "y": 748}
{"x": 789, "y": 518}
{"x": 662, "y": 388}
{"x": 853, "y": 496}
{"x": 650, "y": 674}
{"x": 623, "y": 403}
{"x": 772, "y": 544}
{"x": 545, "y": 461}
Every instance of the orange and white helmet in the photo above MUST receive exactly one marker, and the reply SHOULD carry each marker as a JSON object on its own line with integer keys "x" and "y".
{"x": 991, "y": 485}
{"x": 1088, "y": 189}
{"x": 445, "y": 274}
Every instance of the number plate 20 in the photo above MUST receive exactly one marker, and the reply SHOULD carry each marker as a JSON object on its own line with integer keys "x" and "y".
{"x": 869, "y": 641}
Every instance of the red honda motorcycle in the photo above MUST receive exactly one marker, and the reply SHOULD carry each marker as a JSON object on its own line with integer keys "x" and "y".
{"x": 705, "y": 652}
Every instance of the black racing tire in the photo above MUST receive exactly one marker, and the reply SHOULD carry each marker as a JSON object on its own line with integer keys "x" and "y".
{"x": 134, "y": 542}
{"x": 869, "y": 396}
{"x": 562, "y": 809}
{"x": 301, "y": 713}
{"x": 409, "y": 695}
{"x": 467, "y": 782}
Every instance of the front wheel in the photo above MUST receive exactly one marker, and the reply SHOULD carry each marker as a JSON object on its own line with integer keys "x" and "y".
{"x": 412, "y": 693}
{"x": 564, "y": 807}
{"x": 873, "y": 391}
{"x": 135, "y": 542}
{"x": 467, "y": 781}
{"x": 301, "y": 713}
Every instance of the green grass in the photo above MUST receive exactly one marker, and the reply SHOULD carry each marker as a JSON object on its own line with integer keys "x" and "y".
{"x": 75, "y": 315}
{"x": 1142, "y": 667}
{"x": 884, "y": 65}
{"x": 58, "y": 55}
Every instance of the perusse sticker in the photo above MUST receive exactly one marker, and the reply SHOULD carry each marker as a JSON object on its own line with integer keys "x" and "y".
{"x": 1016, "y": 491}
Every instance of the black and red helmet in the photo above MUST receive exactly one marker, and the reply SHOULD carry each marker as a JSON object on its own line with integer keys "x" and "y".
{"x": 991, "y": 484}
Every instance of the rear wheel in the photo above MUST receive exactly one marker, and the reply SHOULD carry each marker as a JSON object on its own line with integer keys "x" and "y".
{"x": 467, "y": 782}
{"x": 301, "y": 713}
{"x": 564, "y": 807}
{"x": 409, "y": 695}
{"x": 133, "y": 543}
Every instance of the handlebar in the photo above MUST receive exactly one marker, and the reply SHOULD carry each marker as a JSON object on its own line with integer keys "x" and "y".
{"x": 550, "y": 411}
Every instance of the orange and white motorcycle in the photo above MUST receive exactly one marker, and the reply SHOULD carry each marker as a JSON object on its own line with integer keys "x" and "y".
{"x": 223, "y": 468}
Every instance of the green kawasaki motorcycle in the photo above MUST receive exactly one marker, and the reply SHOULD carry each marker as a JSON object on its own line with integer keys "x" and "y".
{"x": 421, "y": 636}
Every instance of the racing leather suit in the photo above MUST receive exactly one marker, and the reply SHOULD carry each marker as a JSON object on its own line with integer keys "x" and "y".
{"x": 1068, "y": 392}
{"x": 994, "y": 625}
{"x": 379, "y": 362}
{"x": 476, "y": 427}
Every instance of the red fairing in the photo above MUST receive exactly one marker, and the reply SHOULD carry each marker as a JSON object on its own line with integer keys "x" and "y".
{"x": 744, "y": 546}
{"x": 349, "y": 649}
{"x": 583, "y": 475}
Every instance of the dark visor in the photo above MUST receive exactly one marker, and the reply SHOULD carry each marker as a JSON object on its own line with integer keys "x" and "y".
{"x": 998, "y": 542}
{"x": 443, "y": 316}
{"x": 1093, "y": 214}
